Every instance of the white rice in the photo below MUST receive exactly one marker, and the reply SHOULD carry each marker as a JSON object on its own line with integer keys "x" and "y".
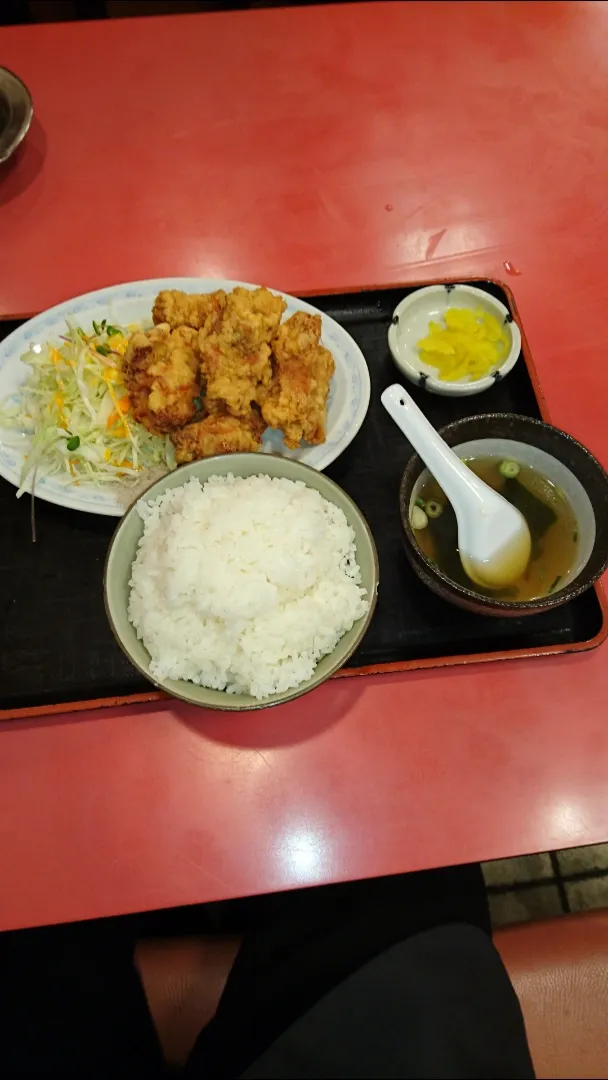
{"x": 243, "y": 584}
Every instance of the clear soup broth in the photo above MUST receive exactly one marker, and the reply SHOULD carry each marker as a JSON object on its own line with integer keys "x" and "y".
{"x": 553, "y": 528}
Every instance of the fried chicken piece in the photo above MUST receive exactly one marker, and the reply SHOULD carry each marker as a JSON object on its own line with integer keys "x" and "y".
{"x": 296, "y": 401}
{"x": 201, "y": 311}
{"x": 251, "y": 317}
{"x": 163, "y": 331}
{"x": 218, "y": 433}
{"x": 235, "y": 359}
{"x": 232, "y": 377}
{"x": 162, "y": 377}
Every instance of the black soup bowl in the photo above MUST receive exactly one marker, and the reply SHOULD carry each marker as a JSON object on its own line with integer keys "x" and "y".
{"x": 553, "y": 454}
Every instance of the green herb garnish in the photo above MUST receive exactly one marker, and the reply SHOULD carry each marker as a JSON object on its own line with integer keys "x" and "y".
{"x": 112, "y": 330}
{"x": 103, "y": 349}
{"x": 73, "y": 442}
{"x": 198, "y": 403}
{"x": 96, "y": 327}
{"x": 420, "y": 502}
{"x": 554, "y": 583}
{"x": 508, "y": 469}
{"x": 433, "y": 508}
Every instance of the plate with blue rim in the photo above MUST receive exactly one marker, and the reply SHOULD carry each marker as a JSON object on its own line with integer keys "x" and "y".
{"x": 130, "y": 304}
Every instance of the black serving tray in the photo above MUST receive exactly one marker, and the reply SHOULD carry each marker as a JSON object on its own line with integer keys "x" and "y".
{"x": 57, "y": 652}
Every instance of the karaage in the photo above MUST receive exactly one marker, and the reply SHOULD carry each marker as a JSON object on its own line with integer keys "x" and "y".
{"x": 200, "y": 311}
{"x": 213, "y": 360}
{"x": 296, "y": 400}
{"x": 218, "y": 433}
{"x": 235, "y": 359}
{"x": 161, "y": 373}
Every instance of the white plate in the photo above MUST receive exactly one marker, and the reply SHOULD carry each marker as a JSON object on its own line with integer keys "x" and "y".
{"x": 411, "y": 319}
{"x": 132, "y": 303}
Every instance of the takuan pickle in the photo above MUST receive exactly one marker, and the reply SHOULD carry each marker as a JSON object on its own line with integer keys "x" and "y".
{"x": 470, "y": 344}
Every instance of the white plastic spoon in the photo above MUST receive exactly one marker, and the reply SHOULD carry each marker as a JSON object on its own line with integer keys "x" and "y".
{"x": 493, "y": 537}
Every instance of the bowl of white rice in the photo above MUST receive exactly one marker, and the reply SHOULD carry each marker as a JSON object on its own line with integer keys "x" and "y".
{"x": 240, "y": 582}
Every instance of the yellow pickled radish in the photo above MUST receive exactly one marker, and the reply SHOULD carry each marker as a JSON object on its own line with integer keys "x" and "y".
{"x": 469, "y": 344}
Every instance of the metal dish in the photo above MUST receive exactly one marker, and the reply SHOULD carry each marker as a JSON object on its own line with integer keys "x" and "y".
{"x": 16, "y": 111}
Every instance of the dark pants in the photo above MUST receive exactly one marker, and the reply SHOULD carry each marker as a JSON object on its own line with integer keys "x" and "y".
{"x": 71, "y": 1000}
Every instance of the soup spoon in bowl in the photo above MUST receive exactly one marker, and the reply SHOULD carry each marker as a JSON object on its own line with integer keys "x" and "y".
{"x": 494, "y": 541}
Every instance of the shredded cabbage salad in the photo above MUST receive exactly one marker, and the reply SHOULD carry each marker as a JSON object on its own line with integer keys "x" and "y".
{"x": 77, "y": 412}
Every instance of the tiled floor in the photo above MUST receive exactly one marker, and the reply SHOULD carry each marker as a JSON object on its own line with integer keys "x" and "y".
{"x": 550, "y": 883}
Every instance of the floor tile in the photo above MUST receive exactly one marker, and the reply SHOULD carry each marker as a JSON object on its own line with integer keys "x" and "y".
{"x": 579, "y": 860}
{"x": 591, "y": 893}
{"x": 522, "y": 868}
{"x": 523, "y": 905}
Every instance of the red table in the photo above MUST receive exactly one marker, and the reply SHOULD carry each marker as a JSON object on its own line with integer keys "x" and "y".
{"x": 312, "y": 149}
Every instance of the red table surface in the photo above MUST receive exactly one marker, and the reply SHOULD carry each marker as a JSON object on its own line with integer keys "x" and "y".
{"x": 312, "y": 149}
